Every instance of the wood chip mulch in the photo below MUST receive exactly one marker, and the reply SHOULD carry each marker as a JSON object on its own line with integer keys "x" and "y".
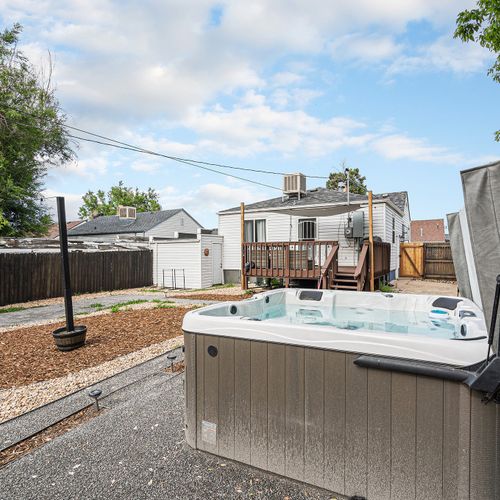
{"x": 29, "y": 354}
{"x": 208, "y": 296}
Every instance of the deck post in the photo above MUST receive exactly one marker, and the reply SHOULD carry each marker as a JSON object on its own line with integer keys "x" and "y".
{"x": 370, "y": 237}
{"x": 242, "y": 238}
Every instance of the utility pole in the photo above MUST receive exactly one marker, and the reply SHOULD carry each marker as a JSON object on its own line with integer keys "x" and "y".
{"x": 243, "y": 249}
{"x": 347, "y": 183}
{"x": 370, "y": 237}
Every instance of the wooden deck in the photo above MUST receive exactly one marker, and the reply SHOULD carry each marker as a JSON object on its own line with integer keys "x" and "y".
{"x": 316, "y": 261}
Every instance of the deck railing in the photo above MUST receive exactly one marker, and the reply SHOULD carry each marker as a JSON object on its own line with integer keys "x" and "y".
{"x": 315, "y": 260}
{"x": 291, "y": 259}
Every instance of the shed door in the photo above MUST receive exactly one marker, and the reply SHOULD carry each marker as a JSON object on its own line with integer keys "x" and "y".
{"x": 216, "y": 263}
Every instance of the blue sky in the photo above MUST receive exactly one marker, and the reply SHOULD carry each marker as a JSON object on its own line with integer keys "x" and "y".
{"x": 288, "y": 86}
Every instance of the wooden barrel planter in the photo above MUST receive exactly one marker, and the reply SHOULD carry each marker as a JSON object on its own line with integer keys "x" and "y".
{"x": 67, "y": 341}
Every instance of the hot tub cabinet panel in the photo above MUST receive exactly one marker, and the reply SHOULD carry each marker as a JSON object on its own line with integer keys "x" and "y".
{"x": 313, "y": 415}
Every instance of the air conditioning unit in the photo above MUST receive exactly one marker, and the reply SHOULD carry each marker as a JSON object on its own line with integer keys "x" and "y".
{"x": 294, "y": 184}
{"x": 127, "y": 212}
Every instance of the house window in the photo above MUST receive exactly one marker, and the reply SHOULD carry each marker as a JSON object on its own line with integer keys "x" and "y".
{"x": 394, "y": 230}
{"x": 307, "y": 229}
{"x": 255, "y": 230}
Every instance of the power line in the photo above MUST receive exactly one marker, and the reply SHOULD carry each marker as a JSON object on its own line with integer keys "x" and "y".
{"x": 137, "y": 149}
{"x": 187, "y": 162}
{"x": 176, "y": 158}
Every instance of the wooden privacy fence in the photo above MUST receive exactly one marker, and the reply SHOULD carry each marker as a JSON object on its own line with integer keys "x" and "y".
{"x": 426, "y": 260}
{"x": 37, "y": 275}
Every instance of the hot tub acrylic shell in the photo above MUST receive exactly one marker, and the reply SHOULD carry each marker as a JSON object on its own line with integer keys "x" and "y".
{"x": 311, "y": 414}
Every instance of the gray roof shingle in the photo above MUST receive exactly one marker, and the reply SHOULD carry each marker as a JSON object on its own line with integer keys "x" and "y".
{"x": 111, "y": 224}
{"x": 322, "y": 196}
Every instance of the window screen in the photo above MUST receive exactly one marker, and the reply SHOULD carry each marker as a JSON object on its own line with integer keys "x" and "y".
{"x": 255, "y": 230}
{"x": 249, "y": 231}
{"x": 307, "y": 229}
{"x": 260, "y": 230}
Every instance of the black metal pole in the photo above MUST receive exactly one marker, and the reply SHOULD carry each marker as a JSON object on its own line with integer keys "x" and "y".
{"x": 63, "y": 244}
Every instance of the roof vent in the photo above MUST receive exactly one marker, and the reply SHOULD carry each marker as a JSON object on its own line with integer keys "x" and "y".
{"x": 127, "y": 212}
{"x": 294, "y": 184}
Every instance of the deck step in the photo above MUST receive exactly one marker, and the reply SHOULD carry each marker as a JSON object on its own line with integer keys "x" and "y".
{"x": 344, "y": 280}
{"x": 344, "y": 287}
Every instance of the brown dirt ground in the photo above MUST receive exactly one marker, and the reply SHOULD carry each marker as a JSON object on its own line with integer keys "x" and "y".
{"x": 29, "y": 354}
{"x": 208, "y": 296}
{"x": 430, "y": 287}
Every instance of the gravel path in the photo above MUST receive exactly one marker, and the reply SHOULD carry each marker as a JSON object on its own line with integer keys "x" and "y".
{"x": 40, "y": 315}
{"x": 18, "y": 400}
{"x": 136, "y": 449}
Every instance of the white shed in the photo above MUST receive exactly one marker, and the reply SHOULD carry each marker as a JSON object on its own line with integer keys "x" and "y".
{"x": 188, "y": 263}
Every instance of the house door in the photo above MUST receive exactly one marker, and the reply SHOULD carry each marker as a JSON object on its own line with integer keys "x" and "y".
{"x": 216, "y": 263}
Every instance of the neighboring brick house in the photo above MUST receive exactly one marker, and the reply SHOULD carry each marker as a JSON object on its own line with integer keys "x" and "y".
{"x": 427, "y": 230}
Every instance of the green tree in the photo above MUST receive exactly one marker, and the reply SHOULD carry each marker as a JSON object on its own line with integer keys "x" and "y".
{"x": 357, "y": 182}
{"x": 482, "y": 25}
{"x": 32, "y": 139}
{"x": 101, "y": 204}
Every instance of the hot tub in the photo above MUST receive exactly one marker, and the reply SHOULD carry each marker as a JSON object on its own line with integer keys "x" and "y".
{"x": 360, "y": 393}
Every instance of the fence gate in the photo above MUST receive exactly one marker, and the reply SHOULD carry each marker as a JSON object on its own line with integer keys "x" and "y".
{"x": 438, "y": 261}
{"x": 411, "y": 260}
{"x": 426, "y": 260}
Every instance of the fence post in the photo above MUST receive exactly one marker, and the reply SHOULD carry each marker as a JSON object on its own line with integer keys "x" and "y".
{"x": 63, "y": 244}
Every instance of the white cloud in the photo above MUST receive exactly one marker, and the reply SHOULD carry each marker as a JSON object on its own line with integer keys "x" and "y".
{"x": 285, "y": 78}
{"x": 445, "y": 54}
{"x": 206, "y": 200}
{"x": 176, "y": 61}
{"x": 249, "y": 130}
{"x": 145, "y": 166}
{"x": 402, "y": 147}
{"x": 295, "y": 98}
{"x": 90, "y": 167}
{"x": 72, "y": 203}
{"x": 365, "y": 47}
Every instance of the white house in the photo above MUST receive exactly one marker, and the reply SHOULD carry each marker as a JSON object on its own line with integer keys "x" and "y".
{"x": 160, "y": 224}
{"x": 309, "y": 216}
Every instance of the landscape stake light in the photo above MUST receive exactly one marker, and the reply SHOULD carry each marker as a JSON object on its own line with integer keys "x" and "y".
{"x": 171, "y": 357}
{"x": 94, "y": 394}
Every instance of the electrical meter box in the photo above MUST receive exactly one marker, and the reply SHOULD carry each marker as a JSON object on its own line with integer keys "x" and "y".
{"x": 355, "y": 227}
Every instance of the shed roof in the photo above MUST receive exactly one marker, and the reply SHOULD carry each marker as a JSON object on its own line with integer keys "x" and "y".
{"x": 322, "y": 196}
{"x": 112, "y": 224}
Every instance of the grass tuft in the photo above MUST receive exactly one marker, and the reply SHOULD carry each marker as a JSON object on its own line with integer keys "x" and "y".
{"x": 11, "y": 309}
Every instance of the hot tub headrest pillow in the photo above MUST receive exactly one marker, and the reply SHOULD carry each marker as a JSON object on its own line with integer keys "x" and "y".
{"x": 446, "y": 303}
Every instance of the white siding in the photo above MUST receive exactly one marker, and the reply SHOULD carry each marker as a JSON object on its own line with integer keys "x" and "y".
{"x": 187, "y": 255}
{"x": 182, "y": 254}
{"x": 407, "y": 220}
{"x": 181, "y": 222}
{"x": 280, "y": 227}
{"x": 332, "y": 228}
{"x": 207, "y": 241}
{"x": 391, "y": 215}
